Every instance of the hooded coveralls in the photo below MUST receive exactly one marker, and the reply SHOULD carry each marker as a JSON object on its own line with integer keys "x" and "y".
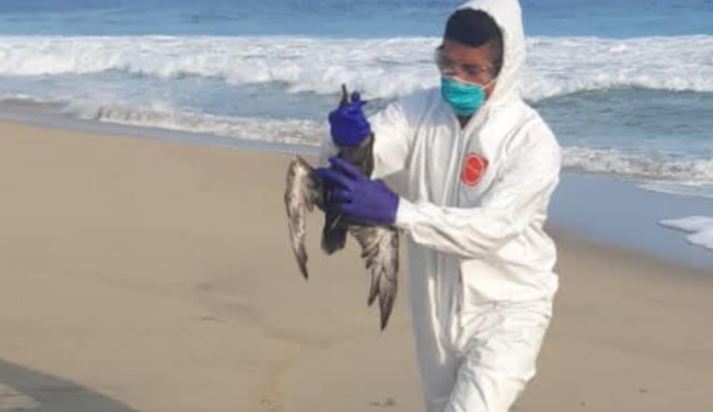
{"x": 480, "y": 263}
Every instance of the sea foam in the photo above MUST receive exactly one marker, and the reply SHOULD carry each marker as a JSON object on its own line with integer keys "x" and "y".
{"x": 699, "y": 227}
{"x": 382, "y": 68}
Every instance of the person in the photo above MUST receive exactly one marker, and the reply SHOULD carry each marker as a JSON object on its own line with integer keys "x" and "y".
{"x": 480, "y": 167}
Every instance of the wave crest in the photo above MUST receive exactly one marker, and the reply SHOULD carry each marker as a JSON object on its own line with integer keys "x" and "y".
{"x": 647, "y": 166}
{"x": 289, "y": 131}
{"x": 382, "y": 68}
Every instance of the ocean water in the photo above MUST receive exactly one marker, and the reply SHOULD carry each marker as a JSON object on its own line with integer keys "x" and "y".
{"x": 626, "y": 86}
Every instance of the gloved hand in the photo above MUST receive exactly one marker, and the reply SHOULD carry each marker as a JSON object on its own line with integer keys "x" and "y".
{"x": 348, "y": 124}
{"x": 356, "y": 196}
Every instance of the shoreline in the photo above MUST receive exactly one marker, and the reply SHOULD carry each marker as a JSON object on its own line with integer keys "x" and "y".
{"x": 603, "y": 226}
{"x": 44, "y": 116}
{"x": 617, "y": 212}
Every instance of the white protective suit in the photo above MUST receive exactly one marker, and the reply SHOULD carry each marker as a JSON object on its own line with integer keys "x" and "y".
{"x": 480, "y": 263}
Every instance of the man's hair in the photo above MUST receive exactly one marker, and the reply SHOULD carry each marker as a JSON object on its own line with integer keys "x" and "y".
{"x": 475, "y": 28}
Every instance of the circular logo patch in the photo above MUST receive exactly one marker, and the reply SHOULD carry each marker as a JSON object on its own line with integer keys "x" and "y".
{"x": 473, "y": 168}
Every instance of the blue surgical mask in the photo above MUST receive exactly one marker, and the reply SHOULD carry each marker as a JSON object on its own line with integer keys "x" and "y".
{"x": 464, "y": 98}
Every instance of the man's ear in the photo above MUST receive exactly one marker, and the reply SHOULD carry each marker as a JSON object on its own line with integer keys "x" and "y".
{"x": 489, "y": 90}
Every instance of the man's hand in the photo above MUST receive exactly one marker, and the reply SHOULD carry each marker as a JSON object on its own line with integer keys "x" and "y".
{"x": 356, "y": 196}
{"x": 348, "y": 124}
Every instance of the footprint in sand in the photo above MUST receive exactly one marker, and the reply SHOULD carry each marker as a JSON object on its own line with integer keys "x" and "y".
{"x": 388, "y": 403}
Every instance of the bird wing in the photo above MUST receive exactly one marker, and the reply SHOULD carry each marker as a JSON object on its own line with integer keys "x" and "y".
{"x": 301, "y": 194}
{"x": 380, "y": 250}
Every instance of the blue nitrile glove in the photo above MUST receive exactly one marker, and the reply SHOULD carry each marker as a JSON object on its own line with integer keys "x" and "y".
{"x": 356, "y": 196}
{"x": 348, "y": 124}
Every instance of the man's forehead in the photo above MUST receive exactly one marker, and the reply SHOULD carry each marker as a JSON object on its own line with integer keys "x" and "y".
{"x": 462, "y": 52}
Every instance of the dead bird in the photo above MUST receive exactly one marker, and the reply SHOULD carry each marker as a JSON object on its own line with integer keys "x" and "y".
{"x": 379, "y": 244}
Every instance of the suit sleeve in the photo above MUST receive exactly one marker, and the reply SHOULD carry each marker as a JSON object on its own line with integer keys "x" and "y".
{"x": 520, "y": 192}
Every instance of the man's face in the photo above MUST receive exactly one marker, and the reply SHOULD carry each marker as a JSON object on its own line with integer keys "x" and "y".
{"x": 471, "y": 64}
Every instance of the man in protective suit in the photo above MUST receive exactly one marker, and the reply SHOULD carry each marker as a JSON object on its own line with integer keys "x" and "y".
{"x": 480, "y": 167}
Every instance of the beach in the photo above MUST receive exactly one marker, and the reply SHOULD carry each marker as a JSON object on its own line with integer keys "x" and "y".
{"x": 142, "y": 275}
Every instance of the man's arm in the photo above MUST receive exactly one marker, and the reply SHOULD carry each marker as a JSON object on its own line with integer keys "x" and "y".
{"x": 392, "y": 140}
{"x": 520, "y": 191}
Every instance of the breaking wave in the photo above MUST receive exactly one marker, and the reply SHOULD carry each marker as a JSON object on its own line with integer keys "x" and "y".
{"x": 382, "y": 68}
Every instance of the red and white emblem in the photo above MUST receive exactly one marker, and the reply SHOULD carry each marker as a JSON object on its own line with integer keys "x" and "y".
{"x": 473, "y": 169}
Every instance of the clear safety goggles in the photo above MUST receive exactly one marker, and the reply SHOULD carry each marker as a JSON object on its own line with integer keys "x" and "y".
{"x": 451, "y": 69}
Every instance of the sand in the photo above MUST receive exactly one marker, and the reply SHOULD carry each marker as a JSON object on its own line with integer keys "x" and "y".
{"x": 142, "y": 275}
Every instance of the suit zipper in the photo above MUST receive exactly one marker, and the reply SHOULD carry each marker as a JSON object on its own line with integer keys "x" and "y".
{"x": 452, "y": 193}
